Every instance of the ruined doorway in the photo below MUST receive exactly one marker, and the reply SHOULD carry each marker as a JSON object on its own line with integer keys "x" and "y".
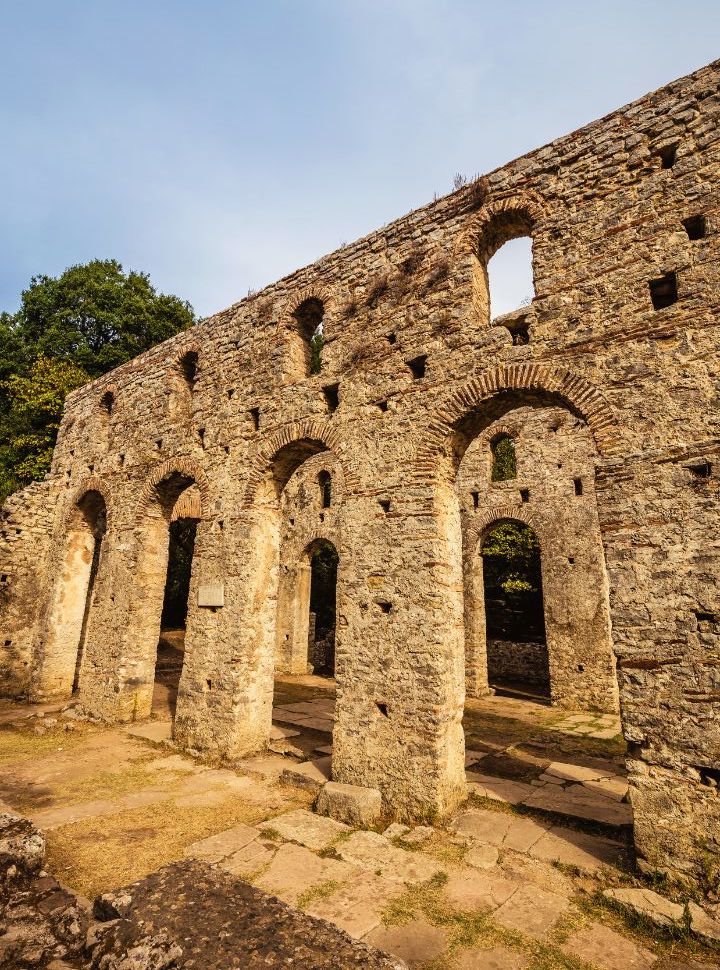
{"x": 323, "y": 593}
{"x": 171, "y": 645}
{"x": 71, "y": 611}
{"x": 517, "y": 654}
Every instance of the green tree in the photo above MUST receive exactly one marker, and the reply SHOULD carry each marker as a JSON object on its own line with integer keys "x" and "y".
{"x": 28, "y": 427}
{"x": 511, "y": 553}
{"x": 97, "y": 316}
{"x": 70, "y": 329}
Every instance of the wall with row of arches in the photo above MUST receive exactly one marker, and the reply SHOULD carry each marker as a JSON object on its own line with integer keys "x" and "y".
{"x": 621, "y": 334}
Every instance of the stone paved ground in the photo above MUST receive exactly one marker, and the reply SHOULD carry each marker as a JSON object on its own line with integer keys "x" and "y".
{"x": 504, "y": 884}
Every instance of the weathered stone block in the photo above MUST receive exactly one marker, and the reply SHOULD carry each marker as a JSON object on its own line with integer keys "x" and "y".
{"x": 352, "y": 804}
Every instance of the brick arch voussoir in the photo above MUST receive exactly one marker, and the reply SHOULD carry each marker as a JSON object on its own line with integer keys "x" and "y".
{"x": 309, "y": 429}
{"x": 89, "y": 484}
{"x": 300, "y": 544}
{"x": 183, "y": 466}
{"x": 575, "y": 390}
{"x": 298, "y": 297}
{"x": 528, "y": 202}
{"x": 473, "y": 535}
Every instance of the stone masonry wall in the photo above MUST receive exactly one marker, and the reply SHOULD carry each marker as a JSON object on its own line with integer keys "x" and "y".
{"x": 518, "y": 662}
{"x": 414, "y": 373}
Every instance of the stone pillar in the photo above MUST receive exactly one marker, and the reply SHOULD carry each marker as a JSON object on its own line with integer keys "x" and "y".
{"x": 399, "y": 657}
{"x": 225, "y": 696}
{"x": 476, "y": 663}
{"x": 659, "y": 524}
{"x": 293, "y": 615}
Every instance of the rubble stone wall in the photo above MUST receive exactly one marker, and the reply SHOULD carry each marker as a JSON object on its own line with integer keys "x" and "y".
{"x": 621, "y": 338}
{"x": 518, "y": 662}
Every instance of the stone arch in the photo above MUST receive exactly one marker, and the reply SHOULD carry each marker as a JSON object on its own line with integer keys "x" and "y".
{"x": 476, "y": 532}
{"x": 305, "y": 315}
{"x": 300, "y": 296}
{"x": 182, "y": 466}
{"x": 502, "y": 220}
{"x": 524, "y": 207}
{"x": 574, "y": 391}
{"x": 299, "y": 546}
{"x": 320, "y": 435}
{"x": 92, "y": 483}
{"x": 70, "y": 611}
{"x": 110, "y": 392}
{"x": 294, "y": 596}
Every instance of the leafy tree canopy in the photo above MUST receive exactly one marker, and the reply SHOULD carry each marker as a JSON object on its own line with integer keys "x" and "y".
{"x": 29, "y": 427}
{"x": 97, "y": 316}
{"x": 70, "y": 329}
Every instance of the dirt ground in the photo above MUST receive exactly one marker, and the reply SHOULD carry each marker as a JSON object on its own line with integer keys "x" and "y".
{"x": 503, "y": 884}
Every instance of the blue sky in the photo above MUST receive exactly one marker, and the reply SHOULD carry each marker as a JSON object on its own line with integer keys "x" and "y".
{"x": 219, "y": 145}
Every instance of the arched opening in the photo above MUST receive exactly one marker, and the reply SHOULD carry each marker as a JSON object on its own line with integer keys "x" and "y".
{"x": 173, "y": 620}
{"x": 325, "y": 483}
{"x": 164, "y": 566}
{"x": 189, "y": 368}
{"x": 107, "y": 402}
{"x": 537, "y": 637}
{"x": 71, "y": 611}
{"x": 504, "y": 460}
{"x": 308, "y": 345}
{"x": 517, "y": 656}
{"x": 503, "y": 276}
{"x": 322, "y": 608}
{"x": 510, "y": 277}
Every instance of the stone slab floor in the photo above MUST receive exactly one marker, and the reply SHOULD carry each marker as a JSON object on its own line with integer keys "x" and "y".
{"x": 514, "y": 880}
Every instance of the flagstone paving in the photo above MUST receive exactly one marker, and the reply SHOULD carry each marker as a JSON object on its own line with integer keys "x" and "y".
{"x": 497, "y": 887}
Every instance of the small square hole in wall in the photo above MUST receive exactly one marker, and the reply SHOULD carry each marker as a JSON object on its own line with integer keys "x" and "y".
{"x": 8, "y": 643}
{"x": 385, "y": 504}
{"x": 230, "y": 393}
{"x": 391, "y": 338}
{"x": 695, "y": 227}
{"x": 418, "y": 366}
{"x": 524, "y": 494}
{"x": 158, "y": 444}
{"x": 700, "y": 469}
{"x": 255, "y": 418}
{"x": 663, "y": 291}
{"x": 383, "y": 405}
{"x": 121, "y": 458}
{"x": 578, "y": 485}
{"x": 384, "y": 606}
{"x": 331, "y": 393}
{"x": 668, "y": 156}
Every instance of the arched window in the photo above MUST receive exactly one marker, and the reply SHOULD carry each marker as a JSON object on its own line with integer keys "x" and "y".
{"x": 188, "y": 368}
{"x": 510, "y": 277}
{"x": 325, "y": 483}
{"x": 309, "y": 324}
{"x": 107, "y": 402}
{"x": 503, "y": 273}
{"x": 504, "y": 462}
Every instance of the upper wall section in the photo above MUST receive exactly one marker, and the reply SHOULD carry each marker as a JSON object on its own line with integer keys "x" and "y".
{"x": 624, "y": 216}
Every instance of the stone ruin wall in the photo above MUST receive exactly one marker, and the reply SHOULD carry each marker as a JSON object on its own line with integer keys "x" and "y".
{"x": 606, "y": 207}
